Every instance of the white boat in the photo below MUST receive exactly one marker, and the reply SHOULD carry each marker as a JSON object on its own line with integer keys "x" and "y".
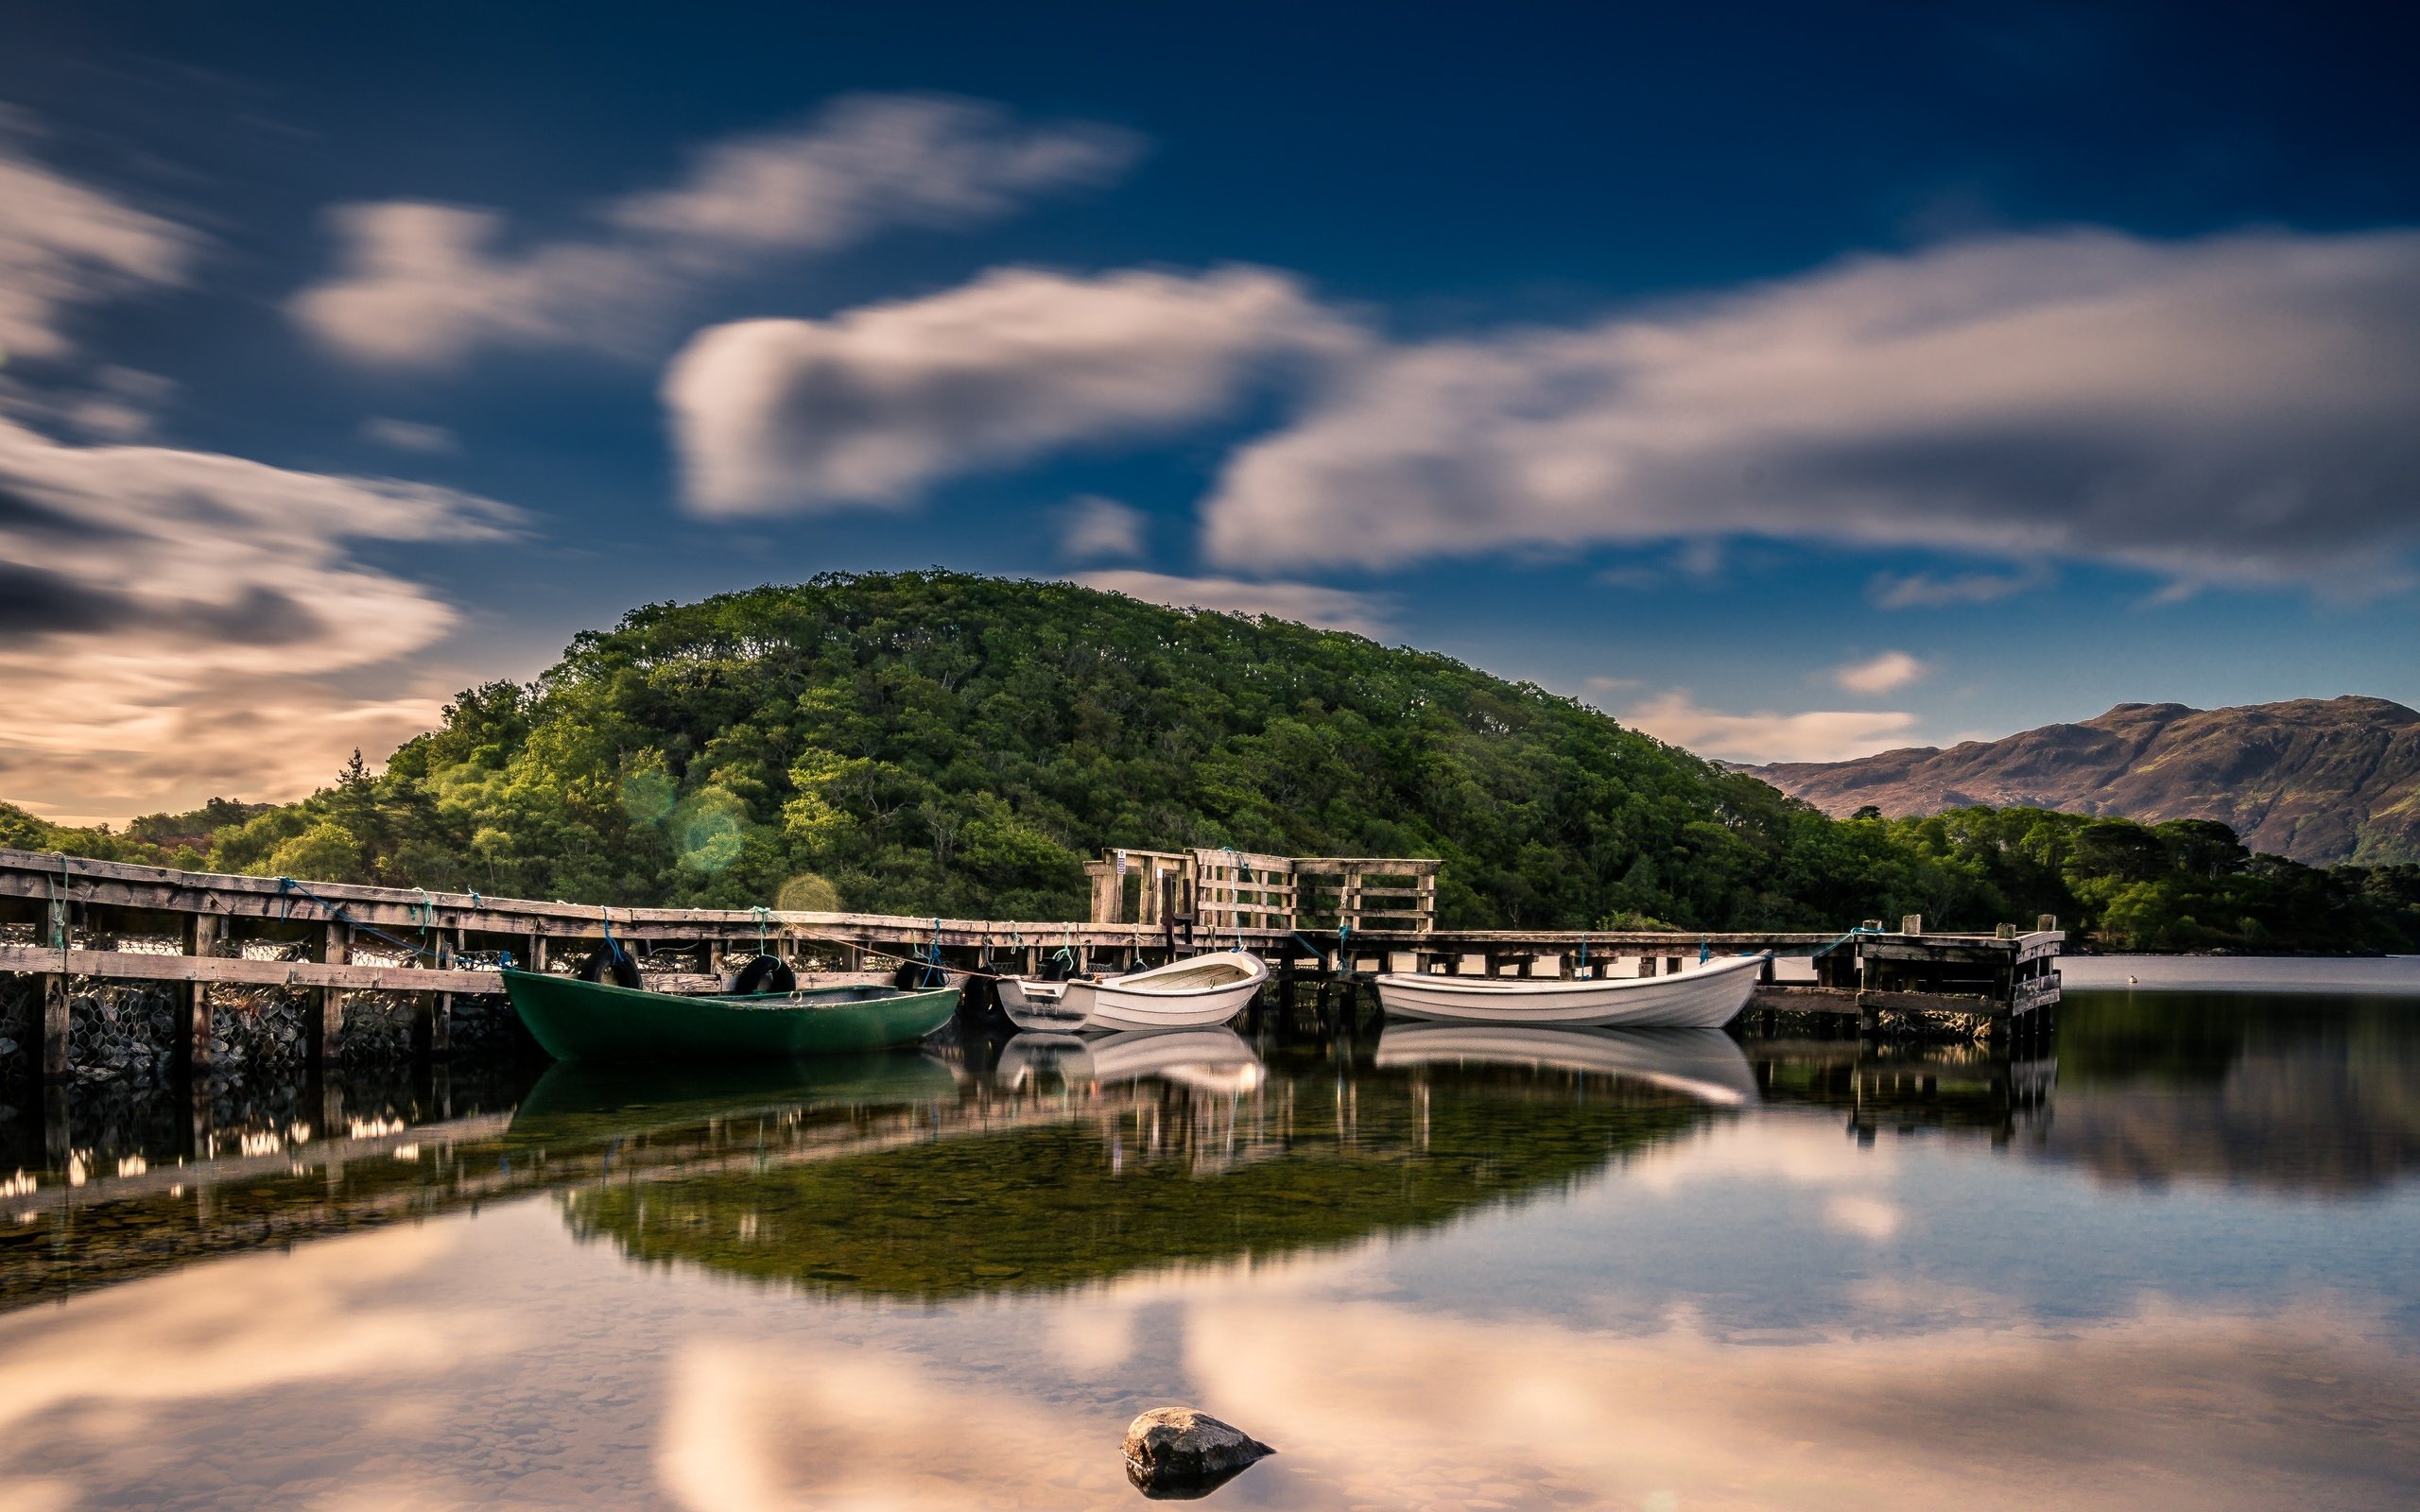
{"x": 1703, "y": 997}
{"x": 1705, "y": 1064}
{"x": 1196, "y": 992}
{"x": 1212, "y": 1060}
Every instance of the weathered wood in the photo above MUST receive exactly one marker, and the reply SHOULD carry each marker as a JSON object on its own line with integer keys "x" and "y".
{"x": 192, "y": 997}
{"x": 133, "y": 966}
{"x": 54, "y": 1021}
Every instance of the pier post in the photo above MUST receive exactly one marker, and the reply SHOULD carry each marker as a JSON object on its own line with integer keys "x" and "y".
{"x": 323, "y": 1019}
{"x": 54, "y": 1027}
{"x": 192, "y": 998}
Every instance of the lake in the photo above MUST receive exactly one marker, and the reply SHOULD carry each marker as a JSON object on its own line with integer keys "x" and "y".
{"x": 2169, "y": 1264}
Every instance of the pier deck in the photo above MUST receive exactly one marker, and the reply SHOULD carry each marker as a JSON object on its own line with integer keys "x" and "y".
{"x": 72, "y": 918}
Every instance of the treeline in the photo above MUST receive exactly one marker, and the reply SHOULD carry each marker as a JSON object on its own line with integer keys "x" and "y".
{"x": 938, "y": 743}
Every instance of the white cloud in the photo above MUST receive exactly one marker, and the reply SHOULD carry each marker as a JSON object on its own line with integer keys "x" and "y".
{"x": 425, "y": 285}
{"x": 1891, "y": 669}
{"x": 1334, "y": 609}
{"x": 174, "y": 623}
{"x": 1094, "y": 528}
{"x": 407, "y": 434}
{"x": 1822, "y": 735}
{"x": 62, "y": 244}
{"x": 877, "y": 404}
{"x": 1936, "y": 591}
{"x": 2235, "y": 409}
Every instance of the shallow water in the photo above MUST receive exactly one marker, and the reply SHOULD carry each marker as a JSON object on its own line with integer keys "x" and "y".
{"x": 2167, "y": 1266}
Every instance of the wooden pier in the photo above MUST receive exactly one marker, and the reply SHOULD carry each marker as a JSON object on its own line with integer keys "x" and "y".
{"x": 63, "y": 918}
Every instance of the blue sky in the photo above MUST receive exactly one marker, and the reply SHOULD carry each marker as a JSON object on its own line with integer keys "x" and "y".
{"x": 1792, "y": 385}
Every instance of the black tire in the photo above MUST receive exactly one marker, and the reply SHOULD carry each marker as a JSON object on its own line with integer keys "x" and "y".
{"x": 765, "y": 974}
{"x": 608, "y": 962}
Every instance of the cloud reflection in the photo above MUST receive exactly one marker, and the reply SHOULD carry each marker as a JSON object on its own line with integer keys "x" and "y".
{"x": 2166, "y": 1409}
{"x": 748, "y": 1430}
{"x": 219, "y": 1331}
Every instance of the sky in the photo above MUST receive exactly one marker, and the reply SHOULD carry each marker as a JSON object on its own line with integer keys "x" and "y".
{"x": 1791, "y": 384}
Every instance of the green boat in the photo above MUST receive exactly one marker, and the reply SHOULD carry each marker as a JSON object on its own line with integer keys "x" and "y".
{"x": 598, "y": 1021}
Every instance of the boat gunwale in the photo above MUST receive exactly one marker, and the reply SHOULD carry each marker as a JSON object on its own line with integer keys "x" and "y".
{"x": 1531, "y": 987}
{"x": 799, "y": 1000}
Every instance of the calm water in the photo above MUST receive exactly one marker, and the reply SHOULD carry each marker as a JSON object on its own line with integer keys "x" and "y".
{"x": 2171, "y": 1265}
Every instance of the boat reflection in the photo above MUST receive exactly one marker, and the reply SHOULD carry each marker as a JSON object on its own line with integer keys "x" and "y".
{"x": 576, "y": 1100}
{"x": 1703, "y": 1064}
{"x": 1212, "y": 1060}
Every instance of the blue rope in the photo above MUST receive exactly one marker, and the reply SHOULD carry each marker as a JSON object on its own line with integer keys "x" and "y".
{"x": 1843, "y": 940}
{"x": 339, "y": 913}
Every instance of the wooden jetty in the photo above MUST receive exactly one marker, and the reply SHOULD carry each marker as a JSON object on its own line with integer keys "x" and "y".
{"x": 63, "y": 918}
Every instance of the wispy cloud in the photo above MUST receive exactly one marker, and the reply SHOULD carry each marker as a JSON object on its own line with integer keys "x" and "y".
{"x": 1891, "y": 669}
{"x": 1334, "y": 609}
{"x": 425, "y": 285}
{"x": 63, "y": 244}
{"x": 1092, "y": 528}
{"x": 876, "y": 405}
{"x": 175, "y": 622}
{"x": 1817, "y": 735}
{"x": 2234, "y": 409}
{"x": 1941, "y": 591}
{"x": 407, "y": 434}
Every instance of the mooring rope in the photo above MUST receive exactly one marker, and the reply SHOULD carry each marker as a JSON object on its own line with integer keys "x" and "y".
{"x": 340, "y": 914}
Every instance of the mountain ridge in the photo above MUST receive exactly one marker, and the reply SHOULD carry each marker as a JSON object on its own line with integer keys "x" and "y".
{"x": 2320, "y": 781}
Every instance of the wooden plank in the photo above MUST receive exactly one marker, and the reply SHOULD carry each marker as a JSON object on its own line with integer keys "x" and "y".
{"x": 135, "y": 966}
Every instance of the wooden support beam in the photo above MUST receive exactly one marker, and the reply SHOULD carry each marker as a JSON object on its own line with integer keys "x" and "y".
{"x": 53, "y": 988}
{"x": 192, "y": 998}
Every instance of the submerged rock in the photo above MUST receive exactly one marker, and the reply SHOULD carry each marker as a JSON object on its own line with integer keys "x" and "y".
{"x": 1175, "y": 1454}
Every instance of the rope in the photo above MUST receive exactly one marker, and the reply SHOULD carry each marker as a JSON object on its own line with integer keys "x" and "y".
{"x": 59, "y": 913}
{"x": 1842, "y": 940}
{"x": 339, "y": 913}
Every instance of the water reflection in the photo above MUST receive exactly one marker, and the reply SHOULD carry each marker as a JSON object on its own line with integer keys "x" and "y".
{"x": 1211, "y": 1060}
{"x": 1079, "y": 1159}
{"x": 1703, "y": 1064}
{"x": 1436, "y": 1271}
{"x": 2318, "y": 1095}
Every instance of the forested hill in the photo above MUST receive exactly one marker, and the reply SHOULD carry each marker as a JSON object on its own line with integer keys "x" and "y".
{"x": 938, "y": 743}
{"x": 941, "y": 742}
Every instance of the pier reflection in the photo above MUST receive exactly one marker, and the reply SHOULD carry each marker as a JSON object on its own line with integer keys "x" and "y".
{"x": 1006, "y": 1164}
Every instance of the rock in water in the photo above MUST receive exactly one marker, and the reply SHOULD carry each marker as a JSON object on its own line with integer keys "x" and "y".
{"x": 1177, "y": 1453}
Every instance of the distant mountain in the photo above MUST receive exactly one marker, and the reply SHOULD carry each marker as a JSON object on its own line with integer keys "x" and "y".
{"x": 2320, "y": 779}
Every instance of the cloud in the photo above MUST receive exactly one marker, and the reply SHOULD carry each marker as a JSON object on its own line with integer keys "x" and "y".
{"x": 1334, "y": 609}
{"x": 407, "y": 434}
{"x": 177, "y": 623}
{"x": 2235, "y": 409}
{"x": 1094, "y": 528}
{"x": 1929, "y": 591}
{"x": 1825, "y": 735}
{"x": 876, "y": 405}
{"x": 425, "y": 285}
{"x": 62, "y": 244}
{"x": 1891, "y": 669}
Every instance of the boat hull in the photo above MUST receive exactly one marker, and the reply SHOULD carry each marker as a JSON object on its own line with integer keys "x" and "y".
{"x": 1707, "y": 998}
{"x": 597, "y": 1021}
{"x": 1134, "y": 1000}
{"x": 1042, "y": 1007}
